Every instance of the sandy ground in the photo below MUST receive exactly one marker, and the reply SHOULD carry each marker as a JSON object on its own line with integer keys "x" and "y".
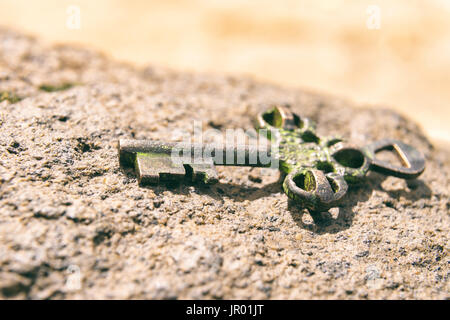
{"x": 73, "y": 224}
{"x": 325, "y": 46}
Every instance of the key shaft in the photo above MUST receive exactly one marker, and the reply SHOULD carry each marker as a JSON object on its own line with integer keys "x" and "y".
{"x": 234, "y": 155}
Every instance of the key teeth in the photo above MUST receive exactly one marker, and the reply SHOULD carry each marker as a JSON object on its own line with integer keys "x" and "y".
{"x": 204, "y": 172}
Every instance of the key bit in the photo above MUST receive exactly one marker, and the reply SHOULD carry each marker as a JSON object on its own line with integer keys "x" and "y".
{"x": 151, "y": 168}
{"x": 153, "y": 163}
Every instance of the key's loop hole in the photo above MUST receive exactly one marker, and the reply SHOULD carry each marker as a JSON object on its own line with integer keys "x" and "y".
{"x": 305, "y": 181}
{"x": 350, "y": 161}
{"x": 349, "y": 157}
{"x": 314, "y": 190}
{"x": 279, "y": 117}
{"x": 412, "y": 160}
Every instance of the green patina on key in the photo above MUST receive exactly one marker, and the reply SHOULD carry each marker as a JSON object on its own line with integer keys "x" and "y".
{"x": 318, "y": 169}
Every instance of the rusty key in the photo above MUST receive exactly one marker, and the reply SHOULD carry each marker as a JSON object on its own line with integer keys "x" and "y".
{"x": 318, "y": 169}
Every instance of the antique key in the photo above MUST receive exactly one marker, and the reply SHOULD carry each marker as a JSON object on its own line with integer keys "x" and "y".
{"x": 318, "y": 169}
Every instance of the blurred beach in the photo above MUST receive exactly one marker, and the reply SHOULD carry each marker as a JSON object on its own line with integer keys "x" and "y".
{"x": 390, "y": 53}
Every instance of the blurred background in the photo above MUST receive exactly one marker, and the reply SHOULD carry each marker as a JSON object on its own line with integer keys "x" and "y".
{"x": 395, "y": 53}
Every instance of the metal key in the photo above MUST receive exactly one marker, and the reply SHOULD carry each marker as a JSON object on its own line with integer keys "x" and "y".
{"x": 318, "y": 169}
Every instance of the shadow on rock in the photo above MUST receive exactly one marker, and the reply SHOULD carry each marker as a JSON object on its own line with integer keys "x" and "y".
{"x": 325, "y": 222}
{"x": 218, "y": 191}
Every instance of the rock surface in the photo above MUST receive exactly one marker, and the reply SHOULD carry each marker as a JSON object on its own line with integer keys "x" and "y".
{"x": 73, "y": 224}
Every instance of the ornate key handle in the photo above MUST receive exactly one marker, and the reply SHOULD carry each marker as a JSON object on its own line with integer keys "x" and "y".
{"x": 319, "y": 169}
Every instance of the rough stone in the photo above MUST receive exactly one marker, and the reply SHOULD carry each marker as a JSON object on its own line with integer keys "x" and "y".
{"x": 69, "y": 214}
